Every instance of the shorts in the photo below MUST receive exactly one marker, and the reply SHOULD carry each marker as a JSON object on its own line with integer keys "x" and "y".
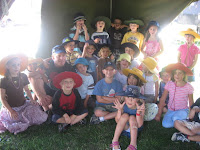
{"x": 190, "y": 124}
{"x": 108, "y": 108}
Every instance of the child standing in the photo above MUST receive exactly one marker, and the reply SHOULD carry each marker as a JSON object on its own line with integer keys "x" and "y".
{"x": 152, "y": 45}
{"x": 133, "y": 51}
{"x": 150, "y": 74}
{"x": 134, "y": 36}
{"x": 123, "y": 62}
{"x": 86, "y": 89}
{"x": 180, "y": 94}
{"x": 132, "y": 111}
{"x": 100, "y": 37}
{"x": 67, "y": 106}
{"x": 105, "y": 91}
{"x": 17, "y": 113}
{"x": 188, "y": 52}
{"x": 88, "y": 53}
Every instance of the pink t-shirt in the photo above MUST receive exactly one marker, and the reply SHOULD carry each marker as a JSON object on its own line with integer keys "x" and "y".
{"x": 188, "y": 55}
{"x": 152, "y": 47}
{"x": 178, "y": 96}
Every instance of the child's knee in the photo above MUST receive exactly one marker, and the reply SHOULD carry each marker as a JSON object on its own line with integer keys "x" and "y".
{"x": 98, "y": 113}
{"x": 167, "y": 124}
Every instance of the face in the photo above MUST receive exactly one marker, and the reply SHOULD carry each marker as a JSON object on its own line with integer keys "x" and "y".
{"x": 32, "y": 67}
{"x": 59, "y": 59}
{"x": 105, "y": 52}
{"x": 144, "y": 68}
{"x": 100, "y": 25}
{"x": 153, "y": 30}
{"x": 90, "y": 49}
{"x": 189, "y": 38}
{"x": 14, "y": 66}
{"x": 117, "y": 24}
{"x": 109, "y": 72}
{"x": 124, "y": 64}
{"x": 80, "y": 22}
{"x": 132, "y": 80}
{"x": 129, "y": 51}
{"x": 165, "y": 77}
{"x": 179, "y": 75}
{"x": 69, "y": 47}
{"x": 130, "y": 102}
{"x": 133, "y": 27}
{"x": 67, "y": 84}
{"x": 81, "y": 68}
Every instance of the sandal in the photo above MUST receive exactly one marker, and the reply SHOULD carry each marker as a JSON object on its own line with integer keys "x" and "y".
{"x": 115, "y": 144}
{"x": 131, "y": 147}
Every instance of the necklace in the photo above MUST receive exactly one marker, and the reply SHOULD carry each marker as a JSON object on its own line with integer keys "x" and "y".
{"x": 15, "y": 83}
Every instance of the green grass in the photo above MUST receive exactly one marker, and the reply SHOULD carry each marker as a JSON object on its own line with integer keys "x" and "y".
{"x": 90, "y": 137}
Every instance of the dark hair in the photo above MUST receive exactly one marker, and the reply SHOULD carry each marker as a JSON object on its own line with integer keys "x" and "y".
{"x": 139, "y": 81}
{"x": 147, "y": 35}
{"x": 173, "y": 73}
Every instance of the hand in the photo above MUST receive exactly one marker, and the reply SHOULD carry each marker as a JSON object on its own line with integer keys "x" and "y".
{"x": 97, "y": 40}
{"x": 46, "y": 63}
{"x": 84, "y": 27}
{"x": 85, "y": 46}
{"x": 13, "y": 114}
{"x": 118, "y": 105}
{"x": 78, "y": 28}
{"x": 85, "y": 104}
{"x": 67, "y": 118}
{"x": 112, "y": 57}
{"x": 141, "y": 108}
{"x": 45, "y": 100}
{"x": 157, "y": 118}
{"x": 34, "y": 102}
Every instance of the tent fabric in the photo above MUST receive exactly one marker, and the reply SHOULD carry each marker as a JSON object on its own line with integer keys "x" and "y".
{"x": 57, "y": 16}
{"x": 4, "y": 7}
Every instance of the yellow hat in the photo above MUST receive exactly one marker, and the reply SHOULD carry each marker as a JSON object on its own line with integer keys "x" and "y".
{"x": 125, "y": 56}
{"x": 191, "y": 32}
{"x": 37, "y": 60}
{"x": 151, "y": 64}
{"x": 23, "y": 58}
{"x": 136, "y": 72}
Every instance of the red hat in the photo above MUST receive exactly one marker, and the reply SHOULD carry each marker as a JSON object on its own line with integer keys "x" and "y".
{"x": 64, "y": 75}
{"x": 179, "y": 66}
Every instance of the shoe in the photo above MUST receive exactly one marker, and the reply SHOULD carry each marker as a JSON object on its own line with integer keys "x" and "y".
{"x": 83, "y": 121}
{"x": 63, "y": 127}
{"x": 179, "y": 137}
{"x": 115, "y": 144}
{"x": 94, "y": 120}
{"x": 198, "y": 143}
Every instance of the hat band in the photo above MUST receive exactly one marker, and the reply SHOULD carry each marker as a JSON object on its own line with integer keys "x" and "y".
{"x": 79, "y": 18}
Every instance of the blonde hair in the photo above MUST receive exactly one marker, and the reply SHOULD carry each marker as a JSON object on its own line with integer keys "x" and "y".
{"x": 104, "y": 47}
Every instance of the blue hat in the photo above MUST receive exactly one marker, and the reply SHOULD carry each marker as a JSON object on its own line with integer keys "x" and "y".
{"x": 132, "y": 91}
{"x": 91, "y": 42}
{"x": 153, "y": 23}
{"x": 68, "y": 40}
{"x": 58, "y": 49}
{"x": 81, "y": 61}
{"x": 109, "y": 63}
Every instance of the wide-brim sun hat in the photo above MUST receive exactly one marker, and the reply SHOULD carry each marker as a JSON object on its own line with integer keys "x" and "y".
{"x": 39, "y": 61}
{"x": 151, "y": 64}
{"x": 82, "y": 61}
{"x": 23, "y": 62}
{"x": 132, "y": 46}
{"x": 102, "y": 18}
{"x": 136, "y": 72}
{"x": 169, "y": 68}
{"x": 67, "y": 74}
{"x": 134, "y": 21}
{"x": 125, "y": 56}
{"x": 191, "y": 32}
{"x": 153, "y": 23}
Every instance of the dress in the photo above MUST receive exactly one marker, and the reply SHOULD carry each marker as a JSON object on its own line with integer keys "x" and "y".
{"x": 135, "y": 38}
{"x": 152, "y": 47}
{"x": 28, "y": 114}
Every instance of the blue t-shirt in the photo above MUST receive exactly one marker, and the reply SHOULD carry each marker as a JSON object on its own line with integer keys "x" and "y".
{"x": 129, "y": 111}
{"x": 107, "y": 89}
{"x": 161, "y": 90}
{"x": 92, "y": 66}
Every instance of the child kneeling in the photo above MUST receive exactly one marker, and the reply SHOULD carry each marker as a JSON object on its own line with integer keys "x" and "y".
{"x": 67, "y": 106}
{"x": 130, "y": 115}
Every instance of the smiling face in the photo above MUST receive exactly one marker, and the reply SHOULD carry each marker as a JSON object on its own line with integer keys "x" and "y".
{"x": 189, "y": 38}
{"x": 59, "y": 59}
{"x": 13, "y": 66}
{"x": 153, "y": 30}
{"x": 81, "y": 68}
{"x": 67, "y": 84}
{"x": 165, "y": 76}
{"x": 124, "y": 64}
{"x": 69, "y": 47}
{"x": 104, "y": 52}
{"x": 130, "y": 51}
{"x": 100, "y": 25}
{"x": 131, "y": 102}
{"x": 117, "y": 24}
{"x": 133, "y": 27}
{"x": 109, "y": 72}
{"x": 132, "y": 80}
{"x": 90, "y": 50}
{"x": 179, "y": 75}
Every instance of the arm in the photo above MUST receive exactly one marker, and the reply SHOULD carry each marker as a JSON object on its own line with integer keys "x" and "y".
{"x": 191, "y": 101}
{"x": 105, "y": 99}
{"x": 179, "y": 57}
{"x": 141, "y": 41}
{"x": 86, "y": 32}
{"x": 140, "y": 114}
{"x": 119, "y": 108}
{"x": 86, "y": 101}
{"x": 28, "y": 92}
{"x": 143, "y": 46}
{"x": 194, "y": 62}
{"x": 161, "y": 49}
{"x": 156, "y": 91}
{"x": 77, "y": 32}
{"x": 85, "y": 50}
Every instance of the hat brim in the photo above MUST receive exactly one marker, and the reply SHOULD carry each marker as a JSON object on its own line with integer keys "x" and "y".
{"x": 132, "y": 46}
{"x": 23, "y": 62}
{"x": 65, "y": 43}
{"x": 179, "y": 66}
{"x": 64, "y": 75}
{"x": 139, "y": 22}
{"x": 102, "y": 18}
{"x": 126, "y": 72}
{"x": 197, "y": 36}
{"x": 127, "y": 95}
{"x": 37, "y": 60}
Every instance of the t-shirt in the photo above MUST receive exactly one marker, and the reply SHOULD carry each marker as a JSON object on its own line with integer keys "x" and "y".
{"x": 87, "y": 87}
{"x": 161, "y": 90}
{"x": 188, "y": 55}
{"x": 178, "y": 96}
{"x": 70, "y": 104}
{"x": 121, "y": 78}
{"x": 152, "y": 47}
{"x": 93, "y": 61}
{"x": 129, "y": 111}
{"x": 107, "y": 89}
{"x": 135, "y": 38}
{"x": 14, "y": 89}
{"x": 149, "y": 87}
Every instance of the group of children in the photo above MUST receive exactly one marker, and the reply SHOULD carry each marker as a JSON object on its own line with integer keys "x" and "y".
{"x": 121, "y": 88}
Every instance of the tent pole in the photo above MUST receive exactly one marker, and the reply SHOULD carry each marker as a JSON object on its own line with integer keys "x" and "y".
{"x": 110, "y": 9}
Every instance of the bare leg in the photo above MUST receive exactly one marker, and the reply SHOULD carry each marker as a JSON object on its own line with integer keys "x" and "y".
{"x": 107, "y": 115}
{"x": 133, "y": 130}
{"x": 61, "y": 120}
{"x": 194, "y": 138}
{"x": 182, "y": 128}
{"x": 75, "y": 118}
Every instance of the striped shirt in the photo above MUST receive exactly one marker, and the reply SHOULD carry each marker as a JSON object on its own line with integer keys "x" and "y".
{"x": 178, "y": 96}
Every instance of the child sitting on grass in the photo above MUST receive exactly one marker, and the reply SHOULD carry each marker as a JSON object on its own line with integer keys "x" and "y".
{"x": 132, "y": 111}
{"x": 17, "y": 113}
{"x": 189, "y": 129}
{"x": 67, "y": 106}
{"x": 105, "y": 91}
{"x": 87, "y": 87}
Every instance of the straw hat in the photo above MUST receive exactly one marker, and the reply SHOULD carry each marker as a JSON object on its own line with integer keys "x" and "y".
{"x": 191, "y": 32}
{"x": 125, "y": 56}
{"x": 151, "y": 64}
{"x": 136, "y": 72}
{"x": 37, "y": 60}
{"x": 67, "y": 74}
{"x": 23, "y": 65}
{"x": 179, "y": 66}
